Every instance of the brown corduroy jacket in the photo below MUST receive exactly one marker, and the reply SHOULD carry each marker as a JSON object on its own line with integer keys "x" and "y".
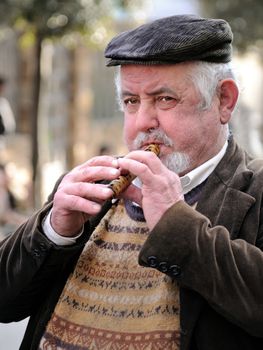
{"x": 214, "y": 252}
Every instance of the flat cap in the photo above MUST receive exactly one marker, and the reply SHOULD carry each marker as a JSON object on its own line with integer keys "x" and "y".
{"x": 171, "y": 40}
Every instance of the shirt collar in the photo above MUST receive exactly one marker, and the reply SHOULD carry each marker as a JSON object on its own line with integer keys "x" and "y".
{"x": 196, "y": 176}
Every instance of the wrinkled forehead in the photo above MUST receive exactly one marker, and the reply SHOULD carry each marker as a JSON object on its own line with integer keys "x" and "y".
{"x": 155, "y": 74}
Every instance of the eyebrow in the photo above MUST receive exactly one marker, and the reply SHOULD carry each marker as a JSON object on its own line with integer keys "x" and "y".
{"x": 158, "y": 91}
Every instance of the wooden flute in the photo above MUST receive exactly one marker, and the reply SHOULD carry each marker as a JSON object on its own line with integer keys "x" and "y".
{"x": 123, "y": 181}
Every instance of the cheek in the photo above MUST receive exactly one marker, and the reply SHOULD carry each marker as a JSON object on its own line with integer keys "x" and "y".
{"x": 176, "y": 129}
{"x": 128, "y": 130}
{"x": 184, "y": 133}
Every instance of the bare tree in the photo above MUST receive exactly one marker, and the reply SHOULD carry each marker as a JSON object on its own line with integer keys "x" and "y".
{"x": 49, "y": 19}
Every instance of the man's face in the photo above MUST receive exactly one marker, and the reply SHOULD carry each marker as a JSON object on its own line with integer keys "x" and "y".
{"x": 161, "y": 104}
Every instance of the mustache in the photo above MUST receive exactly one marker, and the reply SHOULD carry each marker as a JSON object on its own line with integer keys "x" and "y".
{"x": 152, "y": 136}
{"x": 177, "y": 162}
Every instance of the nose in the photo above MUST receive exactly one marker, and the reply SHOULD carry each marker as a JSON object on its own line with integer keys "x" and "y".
{"x": 146, "y": 117}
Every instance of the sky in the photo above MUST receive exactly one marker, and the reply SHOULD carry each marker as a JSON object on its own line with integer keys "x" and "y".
{"x": 162, "y": 8}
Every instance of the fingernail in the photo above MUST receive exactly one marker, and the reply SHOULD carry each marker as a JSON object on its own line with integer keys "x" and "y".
{"x": 114, "y": 171}
{"x": 115, "y": 163}
{"x": 107, "y": 190}
{"x": 96, "y": 206}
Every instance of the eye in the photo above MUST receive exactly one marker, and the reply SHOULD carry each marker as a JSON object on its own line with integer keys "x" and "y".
{"x": 131, "y": 104}
{"x": 130, "y": 100}
{"x": 166, "y": 102}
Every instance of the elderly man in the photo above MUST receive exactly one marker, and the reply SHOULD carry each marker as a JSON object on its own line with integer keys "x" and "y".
{"x": 176, "y": 261}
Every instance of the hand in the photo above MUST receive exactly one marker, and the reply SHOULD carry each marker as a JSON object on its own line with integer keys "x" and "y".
{"x": 78, "y": 196}
{"x": 161, "y": 188}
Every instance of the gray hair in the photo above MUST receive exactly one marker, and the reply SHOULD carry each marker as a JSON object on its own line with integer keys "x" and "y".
{"x": 204, "y": 75}
{"x": 118, "y": 87}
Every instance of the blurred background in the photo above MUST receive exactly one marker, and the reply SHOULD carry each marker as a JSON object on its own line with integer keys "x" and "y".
{"x": 57, "y": 98}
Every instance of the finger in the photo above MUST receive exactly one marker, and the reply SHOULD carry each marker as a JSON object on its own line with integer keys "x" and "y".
{"x": 93, "y": 173}
{"x": 148, "y": 158}
{"x": 91, "y": 191}
{"x": 81, "y": 197}
{"x": 99, "y": 160}
{"x": 80, "y": 204}
{"x": 137, "y": 168}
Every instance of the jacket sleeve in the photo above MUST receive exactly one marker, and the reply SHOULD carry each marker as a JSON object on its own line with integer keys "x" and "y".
{"x": 30, "y": 267}
{"x": 227, "y": 273}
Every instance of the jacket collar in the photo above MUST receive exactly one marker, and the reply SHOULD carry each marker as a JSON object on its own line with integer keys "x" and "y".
{"x": 225, "y": 186}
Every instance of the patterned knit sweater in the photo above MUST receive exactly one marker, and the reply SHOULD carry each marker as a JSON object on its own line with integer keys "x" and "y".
{"x": 110, "y": 302}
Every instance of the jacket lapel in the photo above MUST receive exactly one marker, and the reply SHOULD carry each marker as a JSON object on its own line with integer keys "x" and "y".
{"x": 224, "y": 200}
{"x": 225, "y": 206}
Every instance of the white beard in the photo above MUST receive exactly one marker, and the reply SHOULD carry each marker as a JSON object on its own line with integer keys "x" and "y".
{"x": 177, "y": 162}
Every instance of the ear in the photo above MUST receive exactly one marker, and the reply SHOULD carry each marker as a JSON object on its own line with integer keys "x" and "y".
{"x": 228, "y": 94}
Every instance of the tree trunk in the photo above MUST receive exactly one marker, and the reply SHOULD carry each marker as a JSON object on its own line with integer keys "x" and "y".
{"x": 34, "y": 124}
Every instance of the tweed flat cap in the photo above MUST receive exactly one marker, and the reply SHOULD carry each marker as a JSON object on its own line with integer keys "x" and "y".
{"x": 171, "y": 40}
